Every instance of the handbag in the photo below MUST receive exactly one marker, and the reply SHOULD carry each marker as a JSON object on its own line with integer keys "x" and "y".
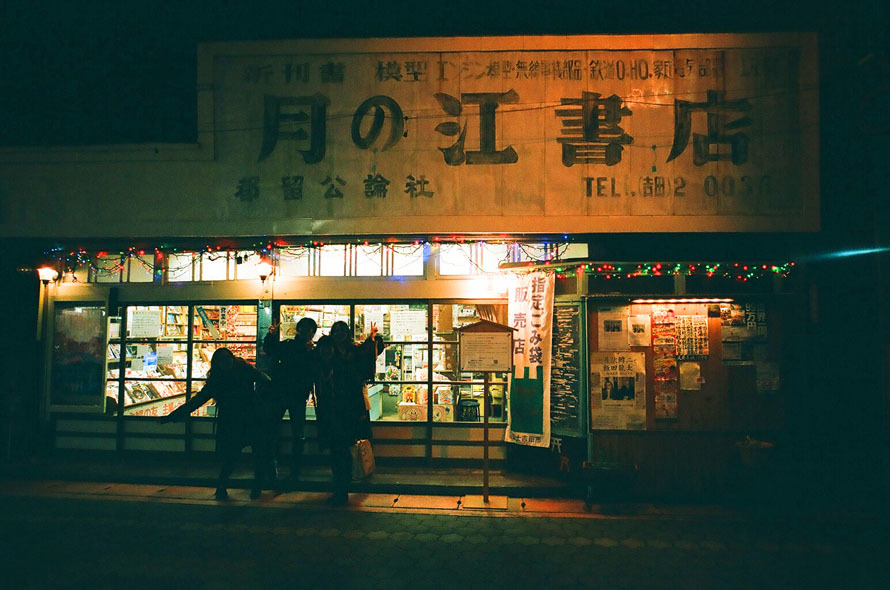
{"x": 363, "y": 464}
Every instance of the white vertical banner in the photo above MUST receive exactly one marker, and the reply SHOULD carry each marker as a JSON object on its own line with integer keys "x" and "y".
{"x": 530, "y": 311}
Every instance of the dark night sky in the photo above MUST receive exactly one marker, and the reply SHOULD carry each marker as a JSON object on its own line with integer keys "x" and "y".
{"x": 76, "y": 72}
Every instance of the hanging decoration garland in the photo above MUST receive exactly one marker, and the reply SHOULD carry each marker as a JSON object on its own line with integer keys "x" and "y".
{"x": 69, "y": 260}
{"x": 741, "y": 271}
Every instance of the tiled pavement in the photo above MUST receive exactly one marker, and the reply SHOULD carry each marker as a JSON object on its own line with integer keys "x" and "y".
{"x": 407, "y": 528}
{"x": 120, "y": 535}
{"x": 458, "y": 505}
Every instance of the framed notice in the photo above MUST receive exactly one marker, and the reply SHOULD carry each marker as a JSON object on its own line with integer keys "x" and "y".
{"x": 486, "y": 351}
{"x": 145, "y": 323}
{"x": 77, "y": 378}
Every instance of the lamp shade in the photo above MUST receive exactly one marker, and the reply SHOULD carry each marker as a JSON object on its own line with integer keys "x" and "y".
{"x": 47, "y": 273}
{"x": 263, "y": 269}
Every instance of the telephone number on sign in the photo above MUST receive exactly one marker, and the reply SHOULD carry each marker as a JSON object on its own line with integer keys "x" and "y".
{"x": 677, "y": 186}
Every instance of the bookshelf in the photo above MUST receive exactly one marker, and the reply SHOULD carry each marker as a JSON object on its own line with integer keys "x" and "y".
{"x": 176, "y": 321}
{"x": 225, "y": 322}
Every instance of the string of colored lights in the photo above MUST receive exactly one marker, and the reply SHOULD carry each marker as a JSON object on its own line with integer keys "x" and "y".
{"x": 740, "y": 271}
{"x": 520, "y": 257}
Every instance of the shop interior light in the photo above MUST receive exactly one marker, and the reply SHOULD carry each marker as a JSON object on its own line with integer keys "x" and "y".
{"x": 685, "y": 300}
{"x": 47, "y": 274}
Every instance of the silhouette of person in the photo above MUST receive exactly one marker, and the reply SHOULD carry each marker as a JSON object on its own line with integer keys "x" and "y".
{"x": 233, "y": 383}
{"x": 343, "y": 417}
{"x": 292, "y": 374}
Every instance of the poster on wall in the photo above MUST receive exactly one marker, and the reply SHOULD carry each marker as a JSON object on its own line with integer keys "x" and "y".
{"x": 618, "y": 391}
{"x": 530, "y": 311}
{"x": 767, "y": 376}
{"x": 664, "y": 349}
{"x": 690, "y": 376}
{"x": 666, "y": 401}
{"x": 137, "y": 362}
{"x": 692, "y": 337}
{"x": 740, "y": 322}
{"x": 566, "y": 371}
{"x": 759, "y": 312}
{"x": 640, "y": 330}
{"x": 664, "y": 331}
{"x": 666, "y": 384}
{"x": 612, "y": 328}
{"x": 78, "y": 356}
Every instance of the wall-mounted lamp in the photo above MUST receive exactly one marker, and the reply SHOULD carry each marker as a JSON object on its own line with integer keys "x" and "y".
{"x": 264, "y": 269}
{"x": 47, "y": 274}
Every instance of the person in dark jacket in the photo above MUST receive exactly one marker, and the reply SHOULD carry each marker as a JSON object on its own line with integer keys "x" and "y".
{"x": 343, "y": 418}
{"x": 292, "y": 374}
{"x": 241, "y": 416}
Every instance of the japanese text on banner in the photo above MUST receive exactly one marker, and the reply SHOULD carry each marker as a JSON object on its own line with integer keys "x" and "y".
{"x": 530, "y": 312}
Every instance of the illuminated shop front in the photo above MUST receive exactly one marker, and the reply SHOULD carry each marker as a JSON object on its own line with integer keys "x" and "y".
{"x": 648, "y": 359}
{"x": 411, "y": 183}
{"x": 172, "y": 311}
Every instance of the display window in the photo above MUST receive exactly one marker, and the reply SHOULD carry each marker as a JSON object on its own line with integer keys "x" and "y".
{"x": 399, "y": 391}
{"x": 202, "y": 352}
{"x": 168, "y": 348}
{"x": 324, "y": 316}
{"x": 465, "y": 390}
{"x": 154, "y": 353}
{"x": 225, "y": 322}
{"x": 153, "y": 357}
{"x": 208, "y": 410}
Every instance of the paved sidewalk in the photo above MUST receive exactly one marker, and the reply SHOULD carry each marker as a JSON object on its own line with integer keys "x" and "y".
{"x": 452, "y": 490}
{"x": 464, "y": 504}
{"x": 84, "y": 534}
{"x": 202, "y": 472}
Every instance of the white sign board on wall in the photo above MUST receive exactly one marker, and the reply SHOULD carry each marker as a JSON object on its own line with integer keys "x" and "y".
{"x": 486, "y": 351}
{"x": 450, "y": 136}
{"x": 709, "y": 133}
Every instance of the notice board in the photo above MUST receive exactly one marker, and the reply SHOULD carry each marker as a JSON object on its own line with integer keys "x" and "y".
{"x": 565, "y": 370}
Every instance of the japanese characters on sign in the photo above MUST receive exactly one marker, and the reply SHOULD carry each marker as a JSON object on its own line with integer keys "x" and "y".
{"x": 485, "y": 351}
{"x": 530, "y": 312}
{"x": 618, "y": 391}
{"x": 717, "y": 131}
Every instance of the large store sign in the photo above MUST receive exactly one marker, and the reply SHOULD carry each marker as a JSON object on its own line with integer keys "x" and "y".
{"x": 673, "y": 133}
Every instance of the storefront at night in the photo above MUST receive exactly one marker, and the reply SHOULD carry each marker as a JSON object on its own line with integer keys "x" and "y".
{"x": 623, "y": 202}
